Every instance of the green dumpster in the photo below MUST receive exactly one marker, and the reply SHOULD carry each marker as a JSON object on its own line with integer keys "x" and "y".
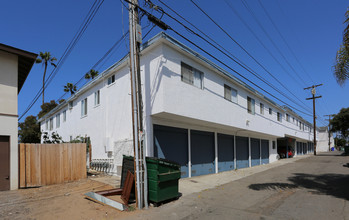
{"x": 163, "y": 176}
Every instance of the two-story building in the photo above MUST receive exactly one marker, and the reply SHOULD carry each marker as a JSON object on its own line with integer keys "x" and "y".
{"x": 195, "y": 113}
{"x": 15, "y": 65}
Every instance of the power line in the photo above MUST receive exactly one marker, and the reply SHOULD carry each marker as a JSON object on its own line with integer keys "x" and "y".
{"x": 270, "y": 38}
{"x": 232, "y": 57}
{"x": 239, "y": 61}
{"x": 283, "y": 39}
{"x": 87, "y": 20}
{"x": 168, "y": 27}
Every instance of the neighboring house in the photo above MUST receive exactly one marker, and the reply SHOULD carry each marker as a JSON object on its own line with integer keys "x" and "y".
{"x": 195, "y": 113}
{"x": 322, "y": 144}
{"x": 15, "y": 65}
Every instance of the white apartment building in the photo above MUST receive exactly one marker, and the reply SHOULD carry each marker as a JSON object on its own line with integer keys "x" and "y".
{"x": 195, "y": 113}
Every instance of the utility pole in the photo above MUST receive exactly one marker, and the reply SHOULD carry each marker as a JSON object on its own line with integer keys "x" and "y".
{"x": 329, "y": 133}
{"x": 137, "y": 107}
{"x": 313, "y": 92}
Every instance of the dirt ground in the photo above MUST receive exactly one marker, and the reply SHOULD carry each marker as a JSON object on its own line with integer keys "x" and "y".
{"x": 62, "y": 201}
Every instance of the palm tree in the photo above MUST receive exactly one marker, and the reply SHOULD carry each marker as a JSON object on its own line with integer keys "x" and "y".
{"x": 70, "y": 88}
{"x": 45, "y": 59}
{"x": 91, "y": 74}
{"x": 341, "y": 67}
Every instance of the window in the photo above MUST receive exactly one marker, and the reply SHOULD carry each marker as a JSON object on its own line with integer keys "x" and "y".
{"x": 274, "y": 145}
{"x": 261, "y": 105}
{"x": 46, "y": 126}
{"x": 250, "y": 105}
{"x": 287, "y": 117}
{"x": 230, "y": 94}
{"x": 64, "y": 115}
{"x": 279, "y": 116}
{"x": 51, "y": 124}
{"x": 97, "y": 98}
{"x": 84, "y": 107}
{"x": 58, "y": 120}
{"x": 191, "y": 75}
{"x": 111, "y": 79}
{"x": 70, "y": 105}
{"x": 300, "y": 125}
{"x": 293, "y": 119}
{"x": 270, "y": 111}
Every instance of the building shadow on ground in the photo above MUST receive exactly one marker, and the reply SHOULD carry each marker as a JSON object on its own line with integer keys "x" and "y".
{"x": 326, "y": 184}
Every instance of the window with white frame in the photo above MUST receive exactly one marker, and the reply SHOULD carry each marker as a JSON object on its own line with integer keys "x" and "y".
{"x": 230, "y": 94}
{"x": 287, "y": 117}
{"x": 261, "y": 106}
{"x": 64, "y": 115}
{"x": 84, "y": 107}
{"x": 250, "y": 105}
{"x": 111, "y": 79}
{"x": 51, "y": 124}
{"x": 58, "y": 120}
{"x": 97, "y": 97}
{"x": 279, "y": 116}
{"x": 270, "y": 111}
{"x": 191, "y": 75}
{"x": 300, "y": 125}
{"x": 46, "y": 125}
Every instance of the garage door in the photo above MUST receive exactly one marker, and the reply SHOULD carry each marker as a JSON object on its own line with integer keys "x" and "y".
{"x": 255, "y": 152}
{"x": 225, "y": 152}
{"x": 4, "y": 163}
{"x": 304, "y": 148}
{"x": 298, "y": 149}
{"x": 265, "y": 151}
{"x": 172, "y": 144}
{"x": 242, "y": 152}
{"x": 202, "y": 152}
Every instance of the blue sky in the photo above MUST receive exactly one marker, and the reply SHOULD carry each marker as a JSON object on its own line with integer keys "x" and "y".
{"x": 312, "y": 29}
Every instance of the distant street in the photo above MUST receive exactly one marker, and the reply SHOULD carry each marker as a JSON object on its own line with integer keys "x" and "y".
{"x": 316, "y": 187}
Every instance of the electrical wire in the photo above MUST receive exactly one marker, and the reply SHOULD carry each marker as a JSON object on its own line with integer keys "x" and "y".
{"x": 239, "y": 62}
{"x": 209, "y": 54}
{"x": 87, "y": 20}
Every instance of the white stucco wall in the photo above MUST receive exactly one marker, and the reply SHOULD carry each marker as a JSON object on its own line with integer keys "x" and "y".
{"x": 322, "y": 143}
{"x": 8, "y": 105}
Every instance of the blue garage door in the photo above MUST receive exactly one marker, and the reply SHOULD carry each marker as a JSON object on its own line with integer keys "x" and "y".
{"x": 242, "y": 152}
{"x": 304, "y": 148}
{"x": 298, "y": 148}
{"x": 225, "y": 152}
{"x": 202, "y": 153}
{"x": 265, "y": 151}
{"x": 255, "y": 152}
{"x": 172, "y": 144}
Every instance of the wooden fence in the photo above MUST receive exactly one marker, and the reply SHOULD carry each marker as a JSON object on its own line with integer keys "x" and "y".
{"x": 47, "y": 164}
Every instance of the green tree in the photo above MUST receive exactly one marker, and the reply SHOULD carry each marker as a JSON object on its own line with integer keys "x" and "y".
{"x": 341, "y": 67}
{"x": 29, "y": 130}
{"x": 340, "y": 123}
{"x": 45, "y": 59}
{"x": 47, "y": 107}
{"x": 70, "y": 88}
{"x": 91, "y": 74}
{"x": 340, "y": 142}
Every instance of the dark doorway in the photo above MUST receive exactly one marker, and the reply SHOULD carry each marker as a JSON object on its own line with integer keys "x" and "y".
{"x": 4, "y": 163}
